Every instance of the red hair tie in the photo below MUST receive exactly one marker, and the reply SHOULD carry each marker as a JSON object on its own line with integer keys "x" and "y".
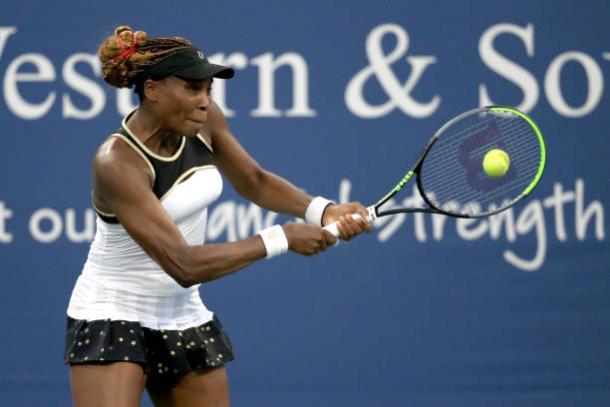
{"x": 126, "y": 53}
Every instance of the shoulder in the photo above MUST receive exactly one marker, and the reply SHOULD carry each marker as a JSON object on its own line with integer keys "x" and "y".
{"x": 216, "y": 127}
{"x": 216, "y": 121}
{"x": 117, "y": 157}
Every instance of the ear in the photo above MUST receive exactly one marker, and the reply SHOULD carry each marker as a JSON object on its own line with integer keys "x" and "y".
{"x": 151, "y": 90}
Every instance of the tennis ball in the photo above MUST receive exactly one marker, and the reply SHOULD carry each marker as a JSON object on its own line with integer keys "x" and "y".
{"x": 496, "y": 163}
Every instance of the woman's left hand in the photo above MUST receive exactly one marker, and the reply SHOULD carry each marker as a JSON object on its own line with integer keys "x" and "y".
{"x": 348, "y": 227}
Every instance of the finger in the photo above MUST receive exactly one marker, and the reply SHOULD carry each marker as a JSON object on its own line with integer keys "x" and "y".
{"x": 351, "y": 226}
{"x": 322, "y": 243}
{"x": 365, "y": 222}
{"x": 343, "y": 234}
{"x": 358, "y": 207}
{"x": 329, "y": 239}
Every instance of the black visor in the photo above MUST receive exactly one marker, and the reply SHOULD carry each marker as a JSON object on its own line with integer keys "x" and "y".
{"x": 189, "y": 64}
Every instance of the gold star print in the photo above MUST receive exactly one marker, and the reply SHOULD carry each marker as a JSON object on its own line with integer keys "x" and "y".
{"x": 120, "y": 339}
{"x": 102, "y": 350}
{"x": 126, "y": 358}
{"x": 133, "y": 343}
{"x": 179, "y": 333}
{"x": 178, "y": 343}
{"x": 86, "y": 330}
{"x": 212, "y": 340}
{"x": 164, "y": 336}
{"x": 71, "y": 355}
{"x": 86, "y": 357}
{"x": 79, "y": 343}
{"x": 122, "y": 322}
{"x": 131, "y": 331}
{"x": 87, "y": 341}
{"x": 172, "y": 353}
{"x": 101, "y": 333}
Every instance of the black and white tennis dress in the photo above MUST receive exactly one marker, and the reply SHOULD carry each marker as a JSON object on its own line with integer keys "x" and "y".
{"x": 124, "y": 307}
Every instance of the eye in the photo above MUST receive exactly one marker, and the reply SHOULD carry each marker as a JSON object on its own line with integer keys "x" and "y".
{"x": 195, "y": 86}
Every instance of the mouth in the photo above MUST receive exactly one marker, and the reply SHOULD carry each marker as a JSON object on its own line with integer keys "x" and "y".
{"x": 199, "y": 122}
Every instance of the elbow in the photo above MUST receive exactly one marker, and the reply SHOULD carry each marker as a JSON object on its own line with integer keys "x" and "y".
{"x": 177, "y": 267}
{"x": 251, "y": 183}
{"x": 185, "y": 280}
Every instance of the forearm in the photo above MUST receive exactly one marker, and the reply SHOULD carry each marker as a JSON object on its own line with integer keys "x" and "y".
{"x": 277, "y": 194}
{"x": 202, "y": 263}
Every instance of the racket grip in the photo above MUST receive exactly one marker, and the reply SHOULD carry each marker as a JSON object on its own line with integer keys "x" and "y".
{"x": 334, "y": 230}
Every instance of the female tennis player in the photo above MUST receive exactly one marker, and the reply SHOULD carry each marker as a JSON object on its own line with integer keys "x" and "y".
{"x": 135, "y": 318}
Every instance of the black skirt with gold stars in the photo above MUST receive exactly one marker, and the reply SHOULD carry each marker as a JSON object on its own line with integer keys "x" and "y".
{"x": 159, "y": 352}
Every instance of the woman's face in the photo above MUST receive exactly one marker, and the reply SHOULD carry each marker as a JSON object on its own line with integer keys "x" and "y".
{"x": 183, "y": 104}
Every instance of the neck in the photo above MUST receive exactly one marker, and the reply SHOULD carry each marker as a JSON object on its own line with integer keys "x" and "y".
{"x": 146, "y": 126}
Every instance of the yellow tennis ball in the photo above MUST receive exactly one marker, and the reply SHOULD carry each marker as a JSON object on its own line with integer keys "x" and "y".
{"x": 496, "y": 163}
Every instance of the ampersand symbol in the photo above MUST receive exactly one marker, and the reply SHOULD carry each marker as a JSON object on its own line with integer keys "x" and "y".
{"x": 399, "y": 95}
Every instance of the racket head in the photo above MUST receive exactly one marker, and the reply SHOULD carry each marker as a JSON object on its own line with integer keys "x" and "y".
{"x": 450, "y": 173}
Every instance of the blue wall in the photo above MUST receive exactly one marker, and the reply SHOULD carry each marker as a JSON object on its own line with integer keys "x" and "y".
{"x": 513, "y": 311}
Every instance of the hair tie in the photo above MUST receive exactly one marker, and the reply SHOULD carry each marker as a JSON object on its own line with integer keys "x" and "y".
{"x": 126, "y": 53}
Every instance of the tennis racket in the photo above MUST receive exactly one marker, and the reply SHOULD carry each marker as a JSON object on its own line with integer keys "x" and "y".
{"x": 450, "y": 174}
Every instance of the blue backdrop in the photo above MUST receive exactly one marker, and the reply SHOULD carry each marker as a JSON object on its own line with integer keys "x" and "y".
{"x": 425, "y": 311}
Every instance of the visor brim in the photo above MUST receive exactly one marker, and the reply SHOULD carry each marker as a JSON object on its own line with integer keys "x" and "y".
{"x": 204, "y": 71}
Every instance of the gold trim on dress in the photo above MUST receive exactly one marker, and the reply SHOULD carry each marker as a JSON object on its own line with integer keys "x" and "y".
{"x": 157, "y": 156}
{"x": 137, "y": 150}
{"x": 141, "y": 154}
{"x": 183, "y": 176}
{"x": 110, "y": 215}
{"x": 200, "y": 137}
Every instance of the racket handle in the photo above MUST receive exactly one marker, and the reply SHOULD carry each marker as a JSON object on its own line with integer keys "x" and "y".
{"x": 334, "y": 230}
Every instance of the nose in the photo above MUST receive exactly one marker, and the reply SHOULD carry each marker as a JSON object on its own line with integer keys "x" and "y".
{"x": 204, "y": 101}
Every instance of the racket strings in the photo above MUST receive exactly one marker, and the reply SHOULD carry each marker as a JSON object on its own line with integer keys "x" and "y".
{"x": 531, "y": 166}
{"x": 450, "y": 189}
{"x": 452, "y": 175}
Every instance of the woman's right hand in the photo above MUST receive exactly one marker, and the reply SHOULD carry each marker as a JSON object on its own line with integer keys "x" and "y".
{"x": 307, "y": 240}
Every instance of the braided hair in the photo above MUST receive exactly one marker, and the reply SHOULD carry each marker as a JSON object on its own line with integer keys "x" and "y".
{"x": 127, "y": 55}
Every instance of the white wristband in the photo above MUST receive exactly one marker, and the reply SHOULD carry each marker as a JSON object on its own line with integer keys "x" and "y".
{"x": 274, "y": 240}
{"x": 315, "y": 210}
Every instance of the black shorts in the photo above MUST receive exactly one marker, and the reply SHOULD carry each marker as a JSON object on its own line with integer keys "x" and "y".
{"x": 161, "y": 353}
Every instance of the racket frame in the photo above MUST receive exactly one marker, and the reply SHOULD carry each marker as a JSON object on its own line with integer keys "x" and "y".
{"x": 374, "y": 211}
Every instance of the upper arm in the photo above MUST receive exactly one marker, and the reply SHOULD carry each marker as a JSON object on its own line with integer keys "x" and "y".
{"x": 123, "y": 181}
{"x": 242, "y": 171}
